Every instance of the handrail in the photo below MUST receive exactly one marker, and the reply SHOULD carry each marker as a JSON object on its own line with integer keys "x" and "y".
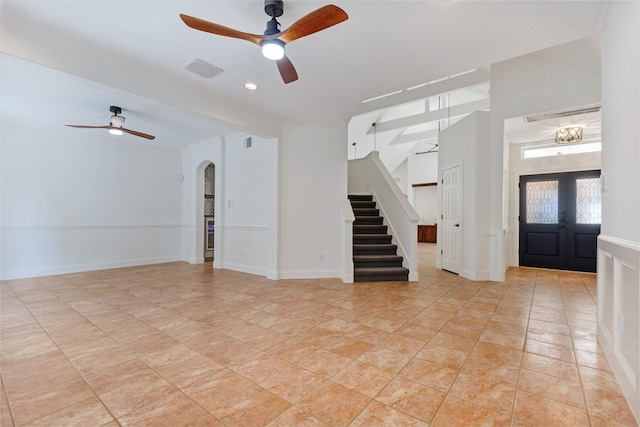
{"x": 348, "y": 217}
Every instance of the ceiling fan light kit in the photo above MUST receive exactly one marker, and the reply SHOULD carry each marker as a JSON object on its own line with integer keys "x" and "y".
{"x": 273, "y": 40}
{"x": 273, "y": 49}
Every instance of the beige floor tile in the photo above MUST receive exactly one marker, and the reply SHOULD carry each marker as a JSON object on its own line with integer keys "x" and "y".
{"x": 253, "y": 407}
{"x": 548, "y": 366}
{"x": 551, "y": 388}
{"x": 363, "y": 378}
{"x": 550, "y": 350}
{"x": 430, "y": 374}
{"x": 444, "y": 356}
{"x": 384, "y": 359}
{"x": 481, "y": 392}
{"x": 324, "y": 362}
{"x": 174, "y": 409}
{"x": 190, "y": 370}
{"x": 211, "y": 391}
{"x": 182, "y": 344}
{"x": 412, "y": 398}
{"x": 295, "y": 417}
{"x": 497, "y": 353}
{"x": 259, "y": 366}
{"x": 491, "y": 370}
{"x": 334, "y": 404}
{"x": 377, "y": 414}
{"x": 458, "y": 412}
{"x": 293, "y": 383}
{"x": 537, "y": 410}
{"x": 57, "y": 397}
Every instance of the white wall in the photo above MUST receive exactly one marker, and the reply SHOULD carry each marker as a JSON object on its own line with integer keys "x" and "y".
{"x": 246, "y": 203}
{"x": 423, "y": 168}
{"x": 557, "y": 78}
{"x": 312, "y": 183}
{"x": 466, "y": 143}
{"x": 250, "y": 204}
{"x": 425, "y": 202}
{"x": 619, "y": 242}
{"x": 401, "y": 177}
{"x": 76, "y": 200}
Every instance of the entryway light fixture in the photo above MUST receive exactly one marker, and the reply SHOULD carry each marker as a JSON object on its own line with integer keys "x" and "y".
{"x": 568, "y": 135}
{"x": 250, "y": 86}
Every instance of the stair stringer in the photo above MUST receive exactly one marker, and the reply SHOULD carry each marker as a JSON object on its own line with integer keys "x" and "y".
{"x": 406, "y": 259}
{"x": 347, "y": 241}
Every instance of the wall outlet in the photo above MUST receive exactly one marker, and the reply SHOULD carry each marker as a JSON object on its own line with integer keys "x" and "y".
{"x": 157, "y": 247}
{"x": 242, "y": 253}
{"x": 321, "y": 256}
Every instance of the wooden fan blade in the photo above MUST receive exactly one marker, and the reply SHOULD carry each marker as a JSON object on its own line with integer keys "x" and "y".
{"x": 221, "y": 30}
{"x": 88, "y": 127}
{"x": 287, "y": 70}
{"x": 136, "y": 133}
{"x": 318, "y": 20}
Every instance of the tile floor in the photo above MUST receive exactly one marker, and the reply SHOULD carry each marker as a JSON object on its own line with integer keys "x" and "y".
{"x": 178, "y": 344}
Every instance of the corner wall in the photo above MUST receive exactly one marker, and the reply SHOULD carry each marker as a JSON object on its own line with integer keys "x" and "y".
{"x": 466, "y": 143}
{"x": 312, "y": 184}
{"x": 246, "y": 200}
{"x": 619, "y": 242}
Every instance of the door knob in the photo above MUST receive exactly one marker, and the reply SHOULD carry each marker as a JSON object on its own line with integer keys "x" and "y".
{"x": 456, "y": 225}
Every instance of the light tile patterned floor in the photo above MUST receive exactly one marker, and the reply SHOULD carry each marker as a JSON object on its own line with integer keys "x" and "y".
{"x": 179, "y": 344}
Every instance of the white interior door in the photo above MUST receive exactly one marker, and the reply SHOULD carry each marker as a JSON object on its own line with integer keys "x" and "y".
{"x": 451, "y": 219}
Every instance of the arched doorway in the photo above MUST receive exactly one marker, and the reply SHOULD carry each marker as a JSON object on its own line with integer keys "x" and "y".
{"x": 209, "y": 185}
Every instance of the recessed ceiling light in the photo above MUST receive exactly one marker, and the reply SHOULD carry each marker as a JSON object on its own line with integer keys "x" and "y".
{"x": 250, "y": 86}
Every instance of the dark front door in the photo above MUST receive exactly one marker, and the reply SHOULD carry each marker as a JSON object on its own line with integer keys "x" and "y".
{"x": 560, "y": 220}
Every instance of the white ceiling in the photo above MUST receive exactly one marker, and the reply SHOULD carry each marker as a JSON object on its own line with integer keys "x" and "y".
{"x": 132, "y": 53}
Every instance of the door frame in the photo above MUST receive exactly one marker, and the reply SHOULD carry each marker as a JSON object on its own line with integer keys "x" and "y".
{"x": 517, "y": 213}
{"x": 441, "y": 228}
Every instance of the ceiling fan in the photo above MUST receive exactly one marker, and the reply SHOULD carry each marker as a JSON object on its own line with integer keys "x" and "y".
{"x": 115, "y": 125}
{"x": 433, "y": 149}
{"x": 274, "y": 40}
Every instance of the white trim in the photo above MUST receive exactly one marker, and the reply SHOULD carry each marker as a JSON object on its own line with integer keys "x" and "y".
{"x": 629, "y": 244}
{"x": 242, "y": 227}
{"x": 243, "y": 268}
{"x": 94, "y": 227}
{"x": 80, "y": 268}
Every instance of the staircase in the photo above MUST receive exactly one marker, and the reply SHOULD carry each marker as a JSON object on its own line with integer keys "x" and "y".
{"x": 374, "y": 257}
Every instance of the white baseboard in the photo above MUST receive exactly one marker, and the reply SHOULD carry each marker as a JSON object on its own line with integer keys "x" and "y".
{"x": 79, "y": 268}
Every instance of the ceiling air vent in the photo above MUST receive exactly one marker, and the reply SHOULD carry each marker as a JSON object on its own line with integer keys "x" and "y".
{"x": 203, "y": 68}
{"x": 559, "y": 114}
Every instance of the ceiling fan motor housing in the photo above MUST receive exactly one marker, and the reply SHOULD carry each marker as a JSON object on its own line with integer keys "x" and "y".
{"x": 116, "y": 121}
{"x": 274, "y": 8}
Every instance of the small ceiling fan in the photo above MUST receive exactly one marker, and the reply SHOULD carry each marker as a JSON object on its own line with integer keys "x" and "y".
{"x": 433, "y": 149}
{"x": 273, "y": 41}
{"x": 115, "y": 125}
